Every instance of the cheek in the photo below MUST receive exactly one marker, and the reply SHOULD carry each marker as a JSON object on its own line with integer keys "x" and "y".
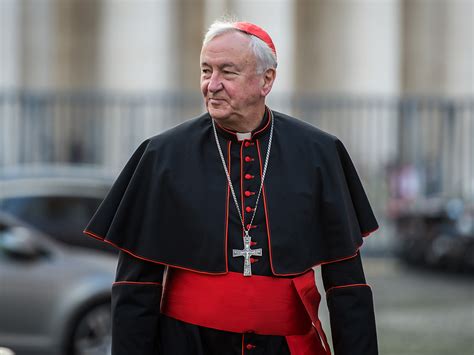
{"x": 204, "y": 84}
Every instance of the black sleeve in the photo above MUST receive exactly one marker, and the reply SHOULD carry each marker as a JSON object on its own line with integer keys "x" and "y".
{"x": 136, "y": 297}
{"x": 351, "y": 308}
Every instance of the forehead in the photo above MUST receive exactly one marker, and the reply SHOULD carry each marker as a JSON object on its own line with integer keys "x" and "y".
{"x": 231, "y": 47}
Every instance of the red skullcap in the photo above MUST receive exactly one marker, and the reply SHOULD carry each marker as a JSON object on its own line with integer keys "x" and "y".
{"x": 256, "y": 31}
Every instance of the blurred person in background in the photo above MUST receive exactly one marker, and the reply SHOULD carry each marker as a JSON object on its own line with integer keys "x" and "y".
{"x": 220, "y": 221}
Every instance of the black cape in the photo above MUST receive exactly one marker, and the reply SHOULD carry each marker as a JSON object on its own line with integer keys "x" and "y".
{"x": 171, "y": 203}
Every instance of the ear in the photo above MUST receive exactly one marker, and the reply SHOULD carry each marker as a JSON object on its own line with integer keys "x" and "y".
{"x": 267, "y": 81}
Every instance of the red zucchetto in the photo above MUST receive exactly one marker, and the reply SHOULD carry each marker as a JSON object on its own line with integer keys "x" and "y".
{"x": 256, "y": 31}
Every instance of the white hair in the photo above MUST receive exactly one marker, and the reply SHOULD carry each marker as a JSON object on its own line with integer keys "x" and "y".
{"x": 264, "y": 55}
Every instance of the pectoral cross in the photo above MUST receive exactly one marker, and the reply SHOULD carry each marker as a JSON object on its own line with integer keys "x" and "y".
{"x": 247, "y": 253}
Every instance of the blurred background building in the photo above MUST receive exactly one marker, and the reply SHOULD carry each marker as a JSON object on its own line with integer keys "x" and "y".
{"x": 82, "y": 82}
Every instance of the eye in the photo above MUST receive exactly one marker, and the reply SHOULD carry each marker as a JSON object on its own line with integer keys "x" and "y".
{"x": 228, "y": 72}
{"x": 205, "y": 71}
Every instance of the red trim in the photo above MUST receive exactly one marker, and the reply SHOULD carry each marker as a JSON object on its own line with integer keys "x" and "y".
{"x": 227, "y": 210}
{"x": 227, "y": 269}
{"x": 366, "y": 234}
{"x": 267, "y": 221}
{"x": 242, "y": 185}
{"x": 102, "y": 239}
{"x": 137, "y": 283}
{"x": 225, "y": 129}
{"x": 267, "y": 112}
{"x": 243, "y": 335}
{"x": 346, "y": 286}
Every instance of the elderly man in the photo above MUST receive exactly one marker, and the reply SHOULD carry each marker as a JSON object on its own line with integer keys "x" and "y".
{"x": 221, "y": 220}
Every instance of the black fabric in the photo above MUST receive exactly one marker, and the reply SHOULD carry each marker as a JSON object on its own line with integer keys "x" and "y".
{"x": 344, "y": 272}
{"x": 350, "y": 307}
{"x": 139, "y": 328}
{"x": 179, "y": 338}
{"x": 136, "y": 306}
{"x": 135, "y": 315}
{"x": 171, "y": 206}
{"x": 316, "y": 207}
{"x": 130, "y": 268}
{"x": 351, "y": 312}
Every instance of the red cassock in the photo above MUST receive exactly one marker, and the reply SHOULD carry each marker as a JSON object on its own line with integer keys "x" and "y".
{"x": 178, "y": 288}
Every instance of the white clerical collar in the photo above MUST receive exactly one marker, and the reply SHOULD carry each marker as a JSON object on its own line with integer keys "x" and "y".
{"x": 243, "y": 136}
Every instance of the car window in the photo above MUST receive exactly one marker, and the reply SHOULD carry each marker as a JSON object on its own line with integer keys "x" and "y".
{"x": 56, "y": 215}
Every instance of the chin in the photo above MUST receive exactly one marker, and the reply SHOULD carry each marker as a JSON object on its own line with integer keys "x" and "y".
{"x": 218, "y": 114}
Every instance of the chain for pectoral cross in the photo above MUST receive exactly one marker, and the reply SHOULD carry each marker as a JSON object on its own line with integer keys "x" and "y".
{"x": 246, "y": 252}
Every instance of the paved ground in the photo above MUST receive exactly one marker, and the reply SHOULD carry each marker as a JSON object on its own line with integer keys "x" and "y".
{"x": 420, "y": 312}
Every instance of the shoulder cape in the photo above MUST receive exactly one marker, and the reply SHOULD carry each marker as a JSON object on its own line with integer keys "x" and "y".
{"x": 169, "y": 204}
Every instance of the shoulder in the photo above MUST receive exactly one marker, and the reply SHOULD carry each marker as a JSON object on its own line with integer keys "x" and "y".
{"x": 179, "y": 135}
{"x": 301, "y": 132}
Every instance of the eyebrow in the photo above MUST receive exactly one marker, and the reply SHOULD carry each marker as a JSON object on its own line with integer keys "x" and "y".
{"x": 222, "y": 66}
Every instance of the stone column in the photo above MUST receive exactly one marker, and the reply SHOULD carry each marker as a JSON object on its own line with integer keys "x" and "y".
{"x": 438, "y": 59}
{"x": 438, "y": 53}
{"x": 347, "y": 47}
{"x": 135, "y": 59}
{"x": 350, "y": 49}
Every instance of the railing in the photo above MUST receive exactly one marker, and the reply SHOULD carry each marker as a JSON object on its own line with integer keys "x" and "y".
{"x": 403, "y": 147}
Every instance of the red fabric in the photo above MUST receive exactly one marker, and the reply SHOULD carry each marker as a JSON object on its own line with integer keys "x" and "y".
{"x": 256, "y": 31}
{"x": 315, "y": 341}
{"x": 258, "y": 304}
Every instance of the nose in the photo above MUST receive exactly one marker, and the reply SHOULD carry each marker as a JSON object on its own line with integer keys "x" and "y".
{"x": 215, "y": 83}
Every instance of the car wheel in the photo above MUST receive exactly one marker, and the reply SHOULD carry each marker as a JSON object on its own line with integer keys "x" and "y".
{"x": 92, "y": 333}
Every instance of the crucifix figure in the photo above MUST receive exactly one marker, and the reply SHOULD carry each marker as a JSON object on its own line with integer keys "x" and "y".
{"x": 247, "y": 253}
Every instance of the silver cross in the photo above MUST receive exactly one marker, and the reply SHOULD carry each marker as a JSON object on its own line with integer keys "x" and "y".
{"x": 247, "y": 253}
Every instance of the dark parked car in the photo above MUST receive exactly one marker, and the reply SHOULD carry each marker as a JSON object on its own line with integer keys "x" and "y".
{"x": 438, "y": 233}
{"x": 57, "y": 201}
{"x": 54, "y": 299}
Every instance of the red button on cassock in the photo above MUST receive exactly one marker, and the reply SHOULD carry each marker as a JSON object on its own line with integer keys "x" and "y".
{"x": 248, "y": 159}
{"x": 248, "y": 209}
{"x": 250, "y": 346}
{"x": 248, "y": 144}
{"x": 248, "y": 177}
{"x": 249, "y": 193}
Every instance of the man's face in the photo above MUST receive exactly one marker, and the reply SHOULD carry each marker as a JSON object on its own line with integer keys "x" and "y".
{"x": 229, "y": 81}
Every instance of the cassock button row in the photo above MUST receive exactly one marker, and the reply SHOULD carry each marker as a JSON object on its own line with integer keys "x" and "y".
{"x": 248, "y": 177}
{"x": 250, "y": 346}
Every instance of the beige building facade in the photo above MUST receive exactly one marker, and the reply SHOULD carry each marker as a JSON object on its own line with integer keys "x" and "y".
{"x": 343, "y": 64}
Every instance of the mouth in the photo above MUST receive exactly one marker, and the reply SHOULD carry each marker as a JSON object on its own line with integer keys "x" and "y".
{"x": 215, "y": 100}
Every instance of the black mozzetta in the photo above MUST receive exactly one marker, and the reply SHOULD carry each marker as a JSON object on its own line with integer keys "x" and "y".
{"x": 171, "y": 203}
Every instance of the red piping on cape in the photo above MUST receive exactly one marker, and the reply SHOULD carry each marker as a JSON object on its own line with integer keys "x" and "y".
{"x": 366, "y": 234}
{"x": 102, "y": 239}
{"x": 267, "y": 111}
{"x": 267, "y": 221}
{"x": 227, "y": 211}
{"x": 346, "y": 286}
{"x": 137, "y": 283}
{"x": 242, "y": 185}
{"x": 243, "y": 344}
